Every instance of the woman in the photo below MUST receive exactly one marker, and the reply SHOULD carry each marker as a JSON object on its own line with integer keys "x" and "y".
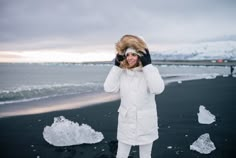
{"x": 137, "y": 81}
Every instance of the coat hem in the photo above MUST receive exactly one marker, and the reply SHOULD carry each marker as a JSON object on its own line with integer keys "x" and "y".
{"x": 138, "y": 143}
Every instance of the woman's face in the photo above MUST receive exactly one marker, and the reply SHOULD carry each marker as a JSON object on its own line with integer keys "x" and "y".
{"x": 132, "y": 59}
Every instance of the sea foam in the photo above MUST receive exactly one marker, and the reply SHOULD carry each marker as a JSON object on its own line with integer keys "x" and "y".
{"x": 37, "y": 92}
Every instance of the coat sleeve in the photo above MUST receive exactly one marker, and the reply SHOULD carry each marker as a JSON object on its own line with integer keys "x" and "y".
{"x": 154, "y": 80}
{"x": 112, "y": 82}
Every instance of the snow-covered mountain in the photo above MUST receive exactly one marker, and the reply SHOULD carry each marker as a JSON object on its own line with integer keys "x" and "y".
{"x": 200, "y": 51}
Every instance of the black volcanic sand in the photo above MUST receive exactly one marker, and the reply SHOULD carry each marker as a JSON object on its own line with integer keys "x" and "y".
{"x": 178, "y": 106}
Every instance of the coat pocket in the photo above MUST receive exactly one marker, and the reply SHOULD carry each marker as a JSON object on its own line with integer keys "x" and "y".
{"x": 122, "y": 111}
{"x": 126, "y": 117}
{"x": 147, "y": 122}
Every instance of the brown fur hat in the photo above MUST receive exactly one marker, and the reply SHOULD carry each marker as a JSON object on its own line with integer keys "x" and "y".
{"x": 130, "y": 41}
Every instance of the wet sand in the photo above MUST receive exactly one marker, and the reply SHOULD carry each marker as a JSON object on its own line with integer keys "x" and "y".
{"x": 21, "y": 136}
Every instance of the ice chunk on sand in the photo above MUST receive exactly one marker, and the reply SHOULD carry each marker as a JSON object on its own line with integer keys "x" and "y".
{"x": 205, "y": 116}
{"x": 203, "y": 144}
{"x": 212, "y": 76}
{"x": 64, "y": 132}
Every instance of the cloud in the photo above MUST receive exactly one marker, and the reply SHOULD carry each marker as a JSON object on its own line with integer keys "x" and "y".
{"x": 76, "y": 24}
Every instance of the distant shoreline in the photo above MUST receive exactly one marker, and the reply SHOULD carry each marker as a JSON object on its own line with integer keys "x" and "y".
{"x": 182, "y": 62}
{"x": 213, "y": 62}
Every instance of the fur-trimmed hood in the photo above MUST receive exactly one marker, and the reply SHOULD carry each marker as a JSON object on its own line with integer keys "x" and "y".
{"x": 130, "y": 41}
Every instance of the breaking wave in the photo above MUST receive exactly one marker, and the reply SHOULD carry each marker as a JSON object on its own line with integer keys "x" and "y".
{"x": 36, "y": 92}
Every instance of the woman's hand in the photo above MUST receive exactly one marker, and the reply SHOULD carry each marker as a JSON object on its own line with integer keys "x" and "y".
{"x": 145, "y": 58}
{"x": 118, "y": 59}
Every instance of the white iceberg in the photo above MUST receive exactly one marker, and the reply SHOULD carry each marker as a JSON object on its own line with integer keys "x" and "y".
{"x": 205, "y": 116}
{"x": 203, "y": 144}
{"x": 64, "y": 132}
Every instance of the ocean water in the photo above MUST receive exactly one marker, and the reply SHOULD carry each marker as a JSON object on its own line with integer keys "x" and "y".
{"x": 38, "y": 88}
{"x": 28, "y": 82}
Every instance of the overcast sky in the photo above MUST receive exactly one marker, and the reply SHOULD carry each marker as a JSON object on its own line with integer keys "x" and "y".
{"x": 86, "y": 25}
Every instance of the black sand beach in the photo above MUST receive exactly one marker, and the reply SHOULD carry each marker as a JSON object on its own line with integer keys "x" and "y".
{"x": 21, "y": 136}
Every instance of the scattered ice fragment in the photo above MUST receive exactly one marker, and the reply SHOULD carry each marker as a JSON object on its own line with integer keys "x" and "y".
{"x": 211, "y": 76}
{"x": 179, "y": 82}
{"x": 186, "y": 135}
{"x": 203, "y": 144}
{"x": 169, "y": 147}
{"x": 205, "y": 116}
{"x": 64, "y": 132}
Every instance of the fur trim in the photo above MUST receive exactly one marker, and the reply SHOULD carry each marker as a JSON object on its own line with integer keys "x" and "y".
{"x": 130, "y": 41}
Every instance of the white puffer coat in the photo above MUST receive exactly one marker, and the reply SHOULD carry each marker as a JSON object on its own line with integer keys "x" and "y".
{"x": 138, "y": 121}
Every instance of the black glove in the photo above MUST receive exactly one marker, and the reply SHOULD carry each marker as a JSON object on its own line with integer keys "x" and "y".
{"x": 145, "y": 58}
{"x": 118, "y": 59}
